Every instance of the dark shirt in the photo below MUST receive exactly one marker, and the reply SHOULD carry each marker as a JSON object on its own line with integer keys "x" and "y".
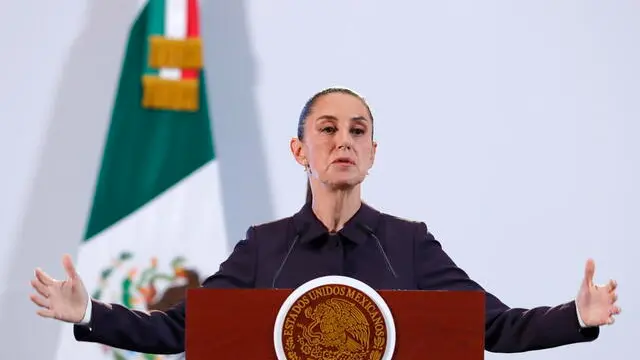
{"x": 380, "y": 250}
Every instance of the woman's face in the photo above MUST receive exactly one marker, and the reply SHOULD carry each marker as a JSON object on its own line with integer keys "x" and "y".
{"x": 337, "y": 145}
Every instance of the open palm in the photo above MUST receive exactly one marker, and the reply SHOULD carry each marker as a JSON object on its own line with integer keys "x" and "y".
{"x": 597, "y": 304}
{"x": 64, "y": 300}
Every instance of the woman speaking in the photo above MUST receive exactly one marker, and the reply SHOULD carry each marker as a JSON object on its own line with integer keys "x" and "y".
{"x": 334, "y": 233}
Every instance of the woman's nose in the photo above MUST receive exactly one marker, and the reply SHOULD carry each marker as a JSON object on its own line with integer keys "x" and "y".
{"x": 344, "y": 140}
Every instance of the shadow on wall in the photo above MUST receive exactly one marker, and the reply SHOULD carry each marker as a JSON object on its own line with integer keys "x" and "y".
{"x": 63, "y": 184}
{"x": 231, "y": 77}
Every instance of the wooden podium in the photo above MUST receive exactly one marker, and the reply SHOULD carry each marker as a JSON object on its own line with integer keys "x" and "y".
{"x": 238, "y": 324}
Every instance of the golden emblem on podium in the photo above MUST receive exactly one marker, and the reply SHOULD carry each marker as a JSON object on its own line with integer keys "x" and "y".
{"x": 334, "y": 318}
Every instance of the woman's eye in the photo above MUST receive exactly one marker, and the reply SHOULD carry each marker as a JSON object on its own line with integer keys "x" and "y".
{"x": 329, "y": 129}
{"x": 357, "y": 131}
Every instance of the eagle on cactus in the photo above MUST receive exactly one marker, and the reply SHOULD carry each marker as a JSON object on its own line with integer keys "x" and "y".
{"x": 148, "y": 288}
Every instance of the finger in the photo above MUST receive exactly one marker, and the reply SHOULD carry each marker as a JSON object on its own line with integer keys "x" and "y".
{"x": 611, "y": 320}
{"x": 614, "y": 298}
{"x": 612, "y": 285}
{"x": 68, "y": 266}
{"x": 40, "y": 301}
{"x": 46, "y": 313}
{"x": 40, "y": 288}
{"x": 589, "y": 271}
{"x": 43, "y": 277}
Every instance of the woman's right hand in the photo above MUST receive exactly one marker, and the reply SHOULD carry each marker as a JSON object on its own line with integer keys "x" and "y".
{"x": 64, "y": 300}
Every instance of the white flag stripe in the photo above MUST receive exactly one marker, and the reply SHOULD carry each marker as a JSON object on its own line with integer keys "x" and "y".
{"x": 187, "y": 220}
{"x": 176, "y": 16}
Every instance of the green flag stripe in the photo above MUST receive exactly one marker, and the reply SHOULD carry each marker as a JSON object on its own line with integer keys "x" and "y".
{"x": 155, "y": 27}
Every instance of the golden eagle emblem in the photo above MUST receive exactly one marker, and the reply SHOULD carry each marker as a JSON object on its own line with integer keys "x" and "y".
{"x": 339, "y": 324}
{"x": 334, "y": 322}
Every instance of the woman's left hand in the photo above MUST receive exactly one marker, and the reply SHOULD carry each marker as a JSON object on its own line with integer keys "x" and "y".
{"x": 597, "y": 304}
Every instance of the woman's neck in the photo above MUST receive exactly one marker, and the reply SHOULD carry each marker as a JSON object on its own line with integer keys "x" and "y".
{"x": 335, "y": 208}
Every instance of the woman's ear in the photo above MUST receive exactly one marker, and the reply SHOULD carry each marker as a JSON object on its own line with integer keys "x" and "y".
{"x": 373, "y": 152}
{"x": 297, "y": 150}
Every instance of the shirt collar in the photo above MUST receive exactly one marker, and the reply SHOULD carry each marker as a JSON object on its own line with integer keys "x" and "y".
{"x": 356, "y": 229}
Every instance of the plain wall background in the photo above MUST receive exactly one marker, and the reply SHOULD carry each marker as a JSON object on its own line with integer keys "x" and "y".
{"x": 510, "y": 128}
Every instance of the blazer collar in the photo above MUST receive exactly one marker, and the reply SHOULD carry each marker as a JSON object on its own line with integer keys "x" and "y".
{"x": 355, "y": 229}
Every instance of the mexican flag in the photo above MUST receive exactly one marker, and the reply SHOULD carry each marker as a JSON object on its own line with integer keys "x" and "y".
{"x": 155, "y": 226}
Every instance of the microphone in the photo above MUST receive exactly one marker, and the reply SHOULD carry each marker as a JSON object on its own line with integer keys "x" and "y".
{"x": 384, "y": 254}
{"x": 286, "y": 257}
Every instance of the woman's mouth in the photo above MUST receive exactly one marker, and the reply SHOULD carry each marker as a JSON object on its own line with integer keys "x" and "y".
{"x": 345, "y": 161}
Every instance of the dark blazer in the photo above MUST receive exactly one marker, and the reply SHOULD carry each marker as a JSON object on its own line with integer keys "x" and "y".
{"x": 413, "y": 254}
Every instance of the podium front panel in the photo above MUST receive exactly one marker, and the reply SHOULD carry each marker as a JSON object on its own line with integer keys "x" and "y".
{"x": 239, "y": 323}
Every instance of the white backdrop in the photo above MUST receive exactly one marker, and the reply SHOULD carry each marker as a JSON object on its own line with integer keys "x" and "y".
{"x": 508, "y": 127}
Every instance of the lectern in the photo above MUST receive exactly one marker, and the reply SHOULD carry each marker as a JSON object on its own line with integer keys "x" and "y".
{"x": 235, "y": 324}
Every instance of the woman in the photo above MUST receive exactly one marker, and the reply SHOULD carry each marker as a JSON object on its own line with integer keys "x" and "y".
{"x": 334, "y": 233}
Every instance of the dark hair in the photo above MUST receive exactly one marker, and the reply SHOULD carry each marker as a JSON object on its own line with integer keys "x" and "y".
{"x": 308, "y": 107}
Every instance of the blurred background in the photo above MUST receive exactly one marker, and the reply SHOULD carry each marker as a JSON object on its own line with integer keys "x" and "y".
{"x": 511, "y": 128}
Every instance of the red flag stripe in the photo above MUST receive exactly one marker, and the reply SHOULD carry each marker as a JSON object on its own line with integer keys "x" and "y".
{"x": 193, "y": 31}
